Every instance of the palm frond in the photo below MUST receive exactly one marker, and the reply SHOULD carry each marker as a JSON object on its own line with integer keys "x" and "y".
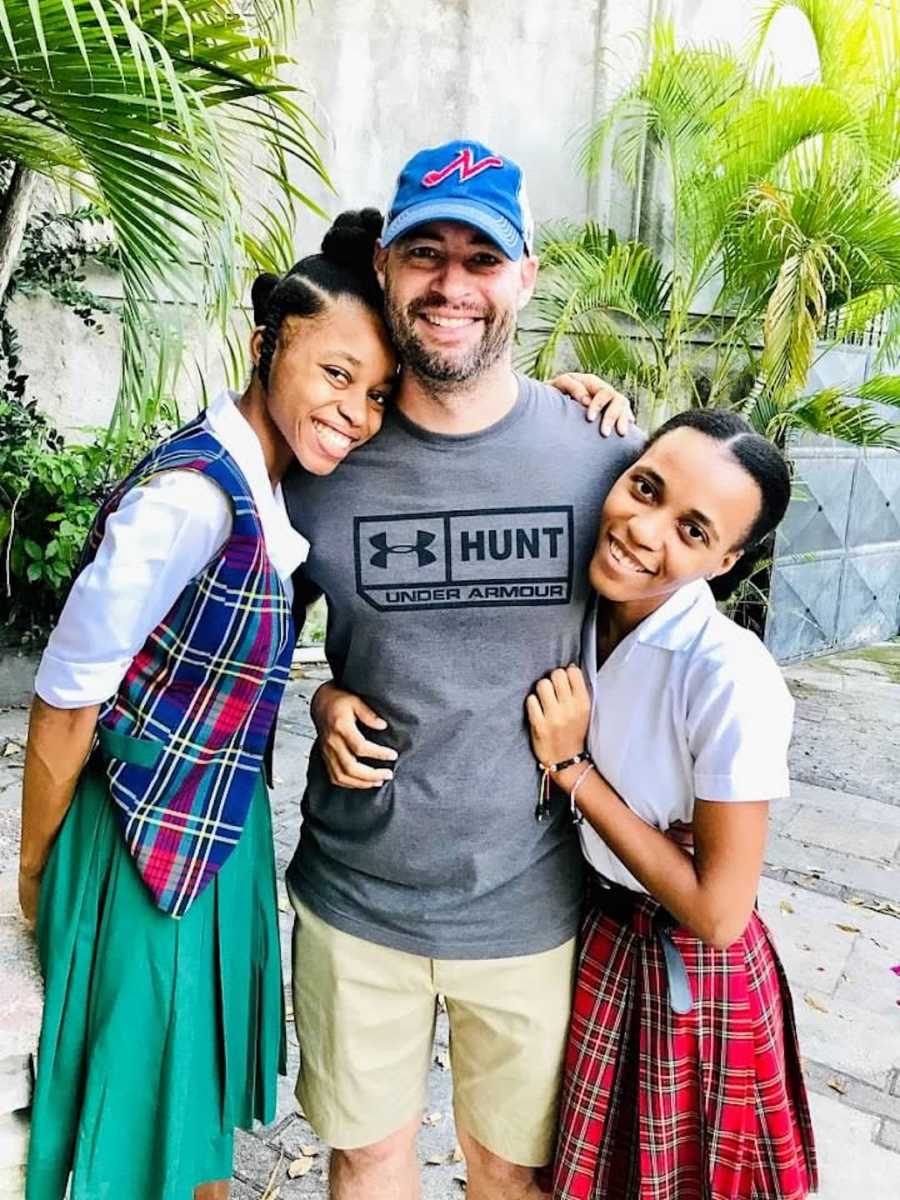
{"x": 880, "y": 389}
{"x": 161, "y": 112}
{"x": 828, "y": 414}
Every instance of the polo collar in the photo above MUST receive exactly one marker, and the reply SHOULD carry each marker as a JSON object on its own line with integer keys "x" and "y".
{"x": 676, "y": 623}
{"x": 286, "y": 548}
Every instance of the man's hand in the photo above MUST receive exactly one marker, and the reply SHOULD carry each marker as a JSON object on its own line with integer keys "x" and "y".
{"x": 682, "y": 835}
{"x": 337, "y": 716}
{"x": 597, "y": 396}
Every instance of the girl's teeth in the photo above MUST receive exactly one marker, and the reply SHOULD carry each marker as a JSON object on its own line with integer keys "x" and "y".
{"x": 625, "y": 560}
{"x": 331, "y": 437}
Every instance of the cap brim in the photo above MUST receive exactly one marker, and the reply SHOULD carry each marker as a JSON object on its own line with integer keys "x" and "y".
{"x": 489, "y": 222}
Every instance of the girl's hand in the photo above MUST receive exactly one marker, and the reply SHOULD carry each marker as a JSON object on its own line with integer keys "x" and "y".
{"x": 559, "y": 711}
{"x": 597, "y": 396}
{"x": 29, "y": 889}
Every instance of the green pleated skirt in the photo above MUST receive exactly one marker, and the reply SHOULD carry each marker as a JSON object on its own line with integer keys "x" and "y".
{"x": 160, "y": 1036}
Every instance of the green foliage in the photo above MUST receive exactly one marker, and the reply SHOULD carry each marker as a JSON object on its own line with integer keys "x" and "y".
{"x": 55, "y": 251}
{"x": 782, "y": 220}
{"x": 49, "y": 493}
{"x": 178, "y": 122}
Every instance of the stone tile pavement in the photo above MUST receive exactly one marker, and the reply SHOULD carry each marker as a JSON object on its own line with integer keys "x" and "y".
{"x": 831, "y": 895}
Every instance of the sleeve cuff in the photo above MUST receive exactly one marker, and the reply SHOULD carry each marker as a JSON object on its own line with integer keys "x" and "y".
{"x": 735, "y": 788}
{"x": 77, "y": 685}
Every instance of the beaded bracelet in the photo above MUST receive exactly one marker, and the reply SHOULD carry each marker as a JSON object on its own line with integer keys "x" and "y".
{"x": 542, "y": 808}
{"x": 577, "y": 814}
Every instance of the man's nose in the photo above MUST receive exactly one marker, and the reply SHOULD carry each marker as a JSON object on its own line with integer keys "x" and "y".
{"x": 453, "y": 281}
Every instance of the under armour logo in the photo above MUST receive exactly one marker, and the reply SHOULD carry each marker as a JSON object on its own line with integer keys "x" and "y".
{"x": 419, "y": 548}
{"x": 465, "y": 164}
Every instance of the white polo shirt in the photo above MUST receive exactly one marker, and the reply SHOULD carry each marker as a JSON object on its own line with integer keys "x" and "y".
{"x": 160, "y": 537}
{"x": 687, "y": 705}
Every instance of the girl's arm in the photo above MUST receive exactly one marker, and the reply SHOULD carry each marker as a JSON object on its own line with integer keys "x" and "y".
{"x": 712, "y": 892}
{"x": 162, "y": 534}
{"x": 59, "y": 742}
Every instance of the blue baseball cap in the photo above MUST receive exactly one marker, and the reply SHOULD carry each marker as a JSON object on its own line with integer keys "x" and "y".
{"x": 463, "y": 181}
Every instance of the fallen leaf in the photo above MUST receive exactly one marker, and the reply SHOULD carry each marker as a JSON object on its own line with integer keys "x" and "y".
{"x": 445, "y": 1160}
{"x": 309, "y": 1151}
{"x": 432, "y": 1119}
{"x": 11, "y": 748}
{"x": 856, "y": 901}
{"x": 299, "y": 1167}
{"x": 814, "y": 1003}
{"x": 848, "y": 928}
{"x": 786, "y": 906}
{"x": 896, "y": 970}
{"x": 836, "y": 1085}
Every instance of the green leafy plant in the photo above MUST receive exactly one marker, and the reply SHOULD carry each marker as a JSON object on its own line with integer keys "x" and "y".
{"x": 50, "y": 491}
{"x": 781, "y": 229}
{"x": 178, "y": 122}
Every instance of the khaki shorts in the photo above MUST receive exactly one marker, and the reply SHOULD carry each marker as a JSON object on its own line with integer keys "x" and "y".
{"x": 365, "y": 1018}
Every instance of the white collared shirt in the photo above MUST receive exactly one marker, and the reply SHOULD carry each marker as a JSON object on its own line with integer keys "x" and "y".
{"x": 160, "y": 537}
{"x": 687, "y": 705}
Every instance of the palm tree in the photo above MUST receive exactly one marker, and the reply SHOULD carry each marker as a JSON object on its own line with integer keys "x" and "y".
{"x": 782, "y": 227}
{"x": 175, "y": 120}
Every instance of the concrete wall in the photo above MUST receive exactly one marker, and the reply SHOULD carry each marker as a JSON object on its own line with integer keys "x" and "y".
{"x": 386, "y": 77}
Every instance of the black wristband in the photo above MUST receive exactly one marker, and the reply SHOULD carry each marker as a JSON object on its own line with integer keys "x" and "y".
{"x": 551, "y": 768}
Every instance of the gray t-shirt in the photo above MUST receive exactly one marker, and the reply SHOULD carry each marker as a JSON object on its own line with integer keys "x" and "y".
{"x": 455, "y": 573}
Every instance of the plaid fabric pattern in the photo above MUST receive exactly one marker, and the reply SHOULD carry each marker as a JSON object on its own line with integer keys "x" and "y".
{"x": 709, "y": 1105}
{"x": 204, "y": 689}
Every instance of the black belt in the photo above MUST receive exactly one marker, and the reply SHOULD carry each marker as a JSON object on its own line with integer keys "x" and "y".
{"x": 621, "y": 903}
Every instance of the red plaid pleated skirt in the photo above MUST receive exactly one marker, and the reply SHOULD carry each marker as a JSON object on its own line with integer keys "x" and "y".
{"x": 657, "y": 1105}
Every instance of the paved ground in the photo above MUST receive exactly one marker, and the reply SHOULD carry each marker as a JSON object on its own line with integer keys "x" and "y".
{"x": 831, "y": 894}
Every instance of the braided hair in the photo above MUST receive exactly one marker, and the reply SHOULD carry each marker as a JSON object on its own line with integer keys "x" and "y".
{"x": 343, "y": 267}
{"x": 763, "y": 462}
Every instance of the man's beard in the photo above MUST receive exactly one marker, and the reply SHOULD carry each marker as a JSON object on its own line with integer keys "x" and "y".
{"x": 433, "y": 366}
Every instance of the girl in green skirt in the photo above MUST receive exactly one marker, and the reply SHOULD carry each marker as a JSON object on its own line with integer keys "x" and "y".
{"x": 146, "y": 842}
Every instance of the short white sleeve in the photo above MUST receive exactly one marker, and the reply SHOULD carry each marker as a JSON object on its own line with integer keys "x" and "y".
{"x": 162, "y": 534}
{"x": 739, "y": 723}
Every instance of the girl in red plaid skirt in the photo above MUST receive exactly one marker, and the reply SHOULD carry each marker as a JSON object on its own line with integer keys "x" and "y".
{"x": 682, "y": 1077}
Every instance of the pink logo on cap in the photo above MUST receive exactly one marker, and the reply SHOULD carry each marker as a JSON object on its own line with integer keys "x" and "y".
{"x": 465, "y": 164}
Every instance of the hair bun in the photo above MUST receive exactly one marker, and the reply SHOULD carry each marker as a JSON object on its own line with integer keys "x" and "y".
{"x": 350, "y": 242}
{"x": 260, "y": 295}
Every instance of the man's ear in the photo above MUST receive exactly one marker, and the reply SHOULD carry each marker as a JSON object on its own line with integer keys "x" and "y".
{"x": 256, "y": 338}
{"x": 380, "y": 262}
{"x": 530, "y": 264}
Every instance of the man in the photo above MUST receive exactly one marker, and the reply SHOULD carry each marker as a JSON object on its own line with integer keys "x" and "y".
{"x": 453, "y": 552}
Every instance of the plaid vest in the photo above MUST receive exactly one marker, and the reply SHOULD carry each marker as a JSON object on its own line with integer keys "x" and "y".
{"x": 184, "y": 737}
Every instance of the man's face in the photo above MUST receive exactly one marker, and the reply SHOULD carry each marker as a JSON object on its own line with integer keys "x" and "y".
{"x": 451, "y": 299}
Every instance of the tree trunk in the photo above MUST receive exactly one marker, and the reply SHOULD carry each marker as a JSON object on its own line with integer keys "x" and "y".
{"x": 13, "y": 218}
